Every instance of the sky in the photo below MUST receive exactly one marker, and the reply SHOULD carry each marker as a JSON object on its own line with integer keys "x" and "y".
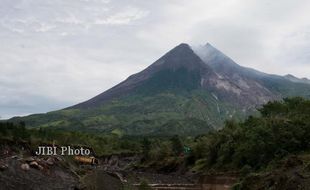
{"x": 56, "y": 53}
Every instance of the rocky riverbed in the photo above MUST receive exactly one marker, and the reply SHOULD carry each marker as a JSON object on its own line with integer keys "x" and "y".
{"x": 36, "y": 174}
{"x": 20, "y": 169}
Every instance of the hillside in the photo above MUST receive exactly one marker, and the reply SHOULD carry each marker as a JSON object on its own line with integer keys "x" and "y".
{"x": 184, "y": 92}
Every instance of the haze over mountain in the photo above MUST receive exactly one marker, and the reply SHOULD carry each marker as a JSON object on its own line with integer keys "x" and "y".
{"x": 185, "y": 91}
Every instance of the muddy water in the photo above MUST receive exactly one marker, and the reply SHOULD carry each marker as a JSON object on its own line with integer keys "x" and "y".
{"x": 191, "y": 187}
{"x": 215, "y": 187}
{"x": 217, "y": 182}
{"x": 175, "y": 187}
{"x": 206, "y": 183}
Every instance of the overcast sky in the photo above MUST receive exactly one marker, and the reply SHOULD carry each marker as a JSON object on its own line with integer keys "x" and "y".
{"x": 56, "y": 53}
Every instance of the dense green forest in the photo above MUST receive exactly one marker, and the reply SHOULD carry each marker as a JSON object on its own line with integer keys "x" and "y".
{"x": 281, "y": 129}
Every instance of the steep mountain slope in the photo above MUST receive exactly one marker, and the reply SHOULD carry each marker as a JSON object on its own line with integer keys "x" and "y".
{"x": 183, "y": 92}
{"x": 179, "y": 69}
{"x": 256, "y": 87}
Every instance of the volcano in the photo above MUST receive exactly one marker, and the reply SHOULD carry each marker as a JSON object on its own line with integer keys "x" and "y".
{"x": 186, "y": 91}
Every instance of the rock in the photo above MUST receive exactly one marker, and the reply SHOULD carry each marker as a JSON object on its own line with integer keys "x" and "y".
{"x": 59, "y": 159}
{"x": 25, "y": 167}
{"x": 3, "y": 167}
{"x": 99, "y": 179}
{"x": 50, "y": 161}
{"x": 113, "y": 161}
{"x": 29, "y": 159}
{"x": 40, "y": 167}
{"x": 34, "y": 164}
{"x": 14, "y": 157}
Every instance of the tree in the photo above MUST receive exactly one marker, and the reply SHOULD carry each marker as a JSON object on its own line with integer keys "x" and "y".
{"x": 146, "y": 146}
{"x": 177, "y": 145}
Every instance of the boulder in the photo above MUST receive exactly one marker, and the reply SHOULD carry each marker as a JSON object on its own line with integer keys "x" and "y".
{"x": 50, "y": 161}
{"x": 25, "y": 167}
{"x": 3, "y": 167}
{"x": 29, "y": 159}
{"x": 40, "y": 167}
{"x": 35, "y": 165}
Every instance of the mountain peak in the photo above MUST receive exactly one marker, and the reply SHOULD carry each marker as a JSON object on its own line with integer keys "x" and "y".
{"x": 292, "y": 78}
{"x": 180, "y": 56}
{"x": 290, "y": 75}
{"x": 209, "y": 53}
{"x": 209, "y": 45}
{"x": 185, "y": 45}
{"x": 182, "y": 48}
{"x": 178, "y": 68}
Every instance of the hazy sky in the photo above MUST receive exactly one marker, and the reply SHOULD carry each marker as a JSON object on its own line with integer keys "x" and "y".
{"x": 55, "y": 53}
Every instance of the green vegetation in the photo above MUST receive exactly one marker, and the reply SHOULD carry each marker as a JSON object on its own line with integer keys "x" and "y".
{"x": 187, "y": 113}
{"x": 13, "y": 131}
{"x": 280, "y": 130}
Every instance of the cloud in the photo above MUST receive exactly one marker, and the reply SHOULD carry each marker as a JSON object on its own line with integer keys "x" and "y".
{"x": 124, "y": 17}
{"x": 56, "y": 53}
{"x": 44, "y": 16}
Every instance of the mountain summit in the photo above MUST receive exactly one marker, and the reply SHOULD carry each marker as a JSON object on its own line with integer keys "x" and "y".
{"x": 184, "y": 92}
{"x": 179, "y": 69}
